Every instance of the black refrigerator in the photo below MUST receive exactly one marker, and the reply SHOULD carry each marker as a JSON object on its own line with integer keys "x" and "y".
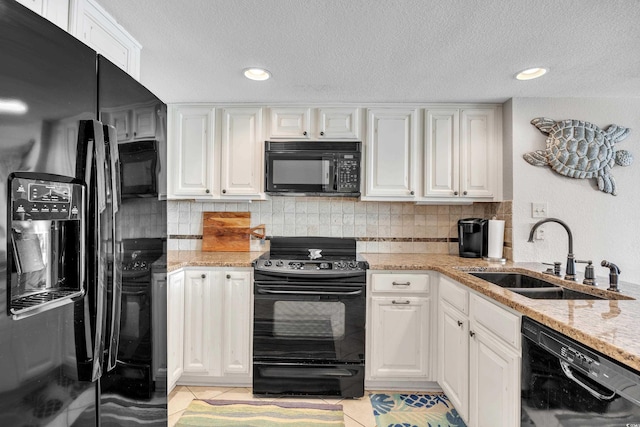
{"x": 81, "y": 227}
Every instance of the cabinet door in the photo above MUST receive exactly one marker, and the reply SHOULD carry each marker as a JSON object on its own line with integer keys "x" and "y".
{"x": 175, "y": 328}
{"x": 198, "y": 322}
{"x": 453, "y": 357}
{"x": 494, "y": 382}
{"x": 242, "y": 149}
{"x": 390, "y": 158}
{"x": 441, "y": 153}
{"x": 237, "y": 323}
{"x": 144, "y": 123}
{"x": 287, "y": 123}
{"x": 400, "y": 337}
{"x": 122, "y": 122}
{"x": 56, "y": 11}
{"x": 96, "y": 28}
{"x": 339, "y": 123}
{"x": 159, "y": 330}
{"x": 191, "y": 146}
{"x": 478, "y": 154}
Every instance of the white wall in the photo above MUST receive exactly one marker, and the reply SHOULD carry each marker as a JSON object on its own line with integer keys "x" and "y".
{"x": 604, "y": 226}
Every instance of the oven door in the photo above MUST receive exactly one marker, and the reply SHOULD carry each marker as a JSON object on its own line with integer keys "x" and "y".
{"x": 309, "y": 322}
{"x": 300, "y": 172}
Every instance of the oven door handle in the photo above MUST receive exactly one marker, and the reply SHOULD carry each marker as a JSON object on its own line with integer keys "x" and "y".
{"x": 273, "y": 292}
{"x": 567, "y": 371}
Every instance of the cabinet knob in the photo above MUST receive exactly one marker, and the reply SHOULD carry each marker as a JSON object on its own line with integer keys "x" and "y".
{"x": 455, "y": 193}
{"x": 304, "y": 133}
{"x": 203, "y": 276}
{"x": 464, "y": 193}
{"x": 228, "y": 276}
{"x": 459, "y": 323}
{"x": 224, "y": 191}
{"x": 135, "y": 133}
{"x": 206, "y": 191}
{"x": 321, "y": 133}
{"x": 472, "y": 334}
{"x": 413, "y": 192}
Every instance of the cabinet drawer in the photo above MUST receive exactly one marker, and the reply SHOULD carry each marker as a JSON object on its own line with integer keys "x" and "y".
{"x": 408, "y": 283}
{"x": 454, "y": 294}
{"x": 503, "y": 324}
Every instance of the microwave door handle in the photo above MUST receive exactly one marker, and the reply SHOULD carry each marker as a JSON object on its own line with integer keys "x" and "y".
{"x": 328, "y": 168}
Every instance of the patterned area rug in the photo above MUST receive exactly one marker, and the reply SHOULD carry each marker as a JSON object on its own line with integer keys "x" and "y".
{"x": 235, "y": 413}
{"x": 414, "y": 410}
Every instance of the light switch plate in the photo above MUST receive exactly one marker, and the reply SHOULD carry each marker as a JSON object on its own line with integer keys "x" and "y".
{"x": 538, "y": 210}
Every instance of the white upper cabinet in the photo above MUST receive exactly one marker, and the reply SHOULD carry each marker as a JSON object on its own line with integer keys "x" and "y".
{"x": 338, "y": 123}
{"x": 191, "y": 152}
{"x": 290, "y": 123}
{"x": 391, "y": 154}
{"x": 242, "y": 152}
{"x": 56, "y": 11}
{"x": 90, "y": 23}
{"x": 300, "y": 123}
{"x": 462, "y": 154}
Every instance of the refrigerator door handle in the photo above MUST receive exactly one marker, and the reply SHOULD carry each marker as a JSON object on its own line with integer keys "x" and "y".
{"x": 116, "y": 250}
{"x": 101, "y": 229}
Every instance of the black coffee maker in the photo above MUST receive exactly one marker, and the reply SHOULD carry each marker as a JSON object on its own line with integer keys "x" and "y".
{"x": 473, "y": 237}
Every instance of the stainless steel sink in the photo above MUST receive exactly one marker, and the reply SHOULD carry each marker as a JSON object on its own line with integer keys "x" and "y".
{"x": 532, "y": 287}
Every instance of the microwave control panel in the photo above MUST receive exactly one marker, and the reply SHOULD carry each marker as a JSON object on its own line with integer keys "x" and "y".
{"x": 348, "y": 174}
{"x": 34, "y": 198}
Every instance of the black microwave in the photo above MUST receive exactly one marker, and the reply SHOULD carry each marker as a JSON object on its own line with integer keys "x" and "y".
{"x": 312, "y": 168}
{"x": 138, "y": 169}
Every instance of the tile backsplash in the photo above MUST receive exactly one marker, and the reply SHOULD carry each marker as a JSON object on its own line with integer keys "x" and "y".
{"x": 144, "y": 217}
{"x": 377, "y": 226}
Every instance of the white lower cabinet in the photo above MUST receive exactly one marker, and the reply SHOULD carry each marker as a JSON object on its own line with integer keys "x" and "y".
{"x": 175, "y": 327}
{"x": 478, "y": 356}
{"x": 217, "y": 327}
{"x": 399, "y": 329}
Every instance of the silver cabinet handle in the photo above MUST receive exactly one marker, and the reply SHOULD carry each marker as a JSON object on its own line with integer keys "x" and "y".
{"x": 401, "y": 283}
{"x": 400, "y": 302}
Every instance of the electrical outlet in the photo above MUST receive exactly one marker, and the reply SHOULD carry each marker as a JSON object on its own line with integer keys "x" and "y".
{"x": 538, "y": 210}
{"x": 539, "y": 233}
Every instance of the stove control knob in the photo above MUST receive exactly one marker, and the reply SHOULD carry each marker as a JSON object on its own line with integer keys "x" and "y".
{"x": 279, "y": 263}
{"x": 341, "y": 264}
{"x": 267, "y": 263}
{"x": 353, "y": 264}
{"x": 324, "y": 266}
{"x": 296, "y": 265}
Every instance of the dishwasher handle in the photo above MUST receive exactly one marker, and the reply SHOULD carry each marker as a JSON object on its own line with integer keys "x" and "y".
{"x": 566, "y": 368}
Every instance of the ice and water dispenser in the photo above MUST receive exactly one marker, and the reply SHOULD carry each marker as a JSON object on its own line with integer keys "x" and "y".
{"x": 46, "y": 254}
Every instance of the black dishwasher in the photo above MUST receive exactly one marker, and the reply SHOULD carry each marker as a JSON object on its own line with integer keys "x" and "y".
{"x": 565, "y": 383}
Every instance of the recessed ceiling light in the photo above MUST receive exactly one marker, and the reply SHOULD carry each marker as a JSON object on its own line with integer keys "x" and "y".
{"x": 12, "y": 106}
{"x": 256, "y": 73}
{"x": 531, "y": 73}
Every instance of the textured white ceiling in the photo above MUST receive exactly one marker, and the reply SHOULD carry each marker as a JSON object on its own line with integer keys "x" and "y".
{"x": 384, "y": 50}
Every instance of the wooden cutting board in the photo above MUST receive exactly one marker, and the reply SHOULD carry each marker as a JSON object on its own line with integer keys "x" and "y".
{"x": 228, "y": 231}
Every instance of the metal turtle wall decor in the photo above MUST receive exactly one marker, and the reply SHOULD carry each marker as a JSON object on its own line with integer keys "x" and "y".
{"x": 580, "y": 149}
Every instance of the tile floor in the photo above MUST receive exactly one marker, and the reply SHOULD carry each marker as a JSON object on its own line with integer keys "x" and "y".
{"x": 357, "y": 412}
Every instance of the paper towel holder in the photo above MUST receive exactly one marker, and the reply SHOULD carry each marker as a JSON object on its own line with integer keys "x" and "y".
{"x": 498, "y": 239}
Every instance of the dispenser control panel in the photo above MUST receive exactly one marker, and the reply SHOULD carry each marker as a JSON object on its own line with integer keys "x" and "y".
{"x": 45, "y": 197}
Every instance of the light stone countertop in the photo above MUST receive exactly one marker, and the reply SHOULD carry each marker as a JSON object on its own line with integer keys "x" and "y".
{"x": 608, "y": 326}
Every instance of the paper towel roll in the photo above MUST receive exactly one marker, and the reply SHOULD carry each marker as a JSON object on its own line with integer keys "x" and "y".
{"x": 496, "y": 238}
